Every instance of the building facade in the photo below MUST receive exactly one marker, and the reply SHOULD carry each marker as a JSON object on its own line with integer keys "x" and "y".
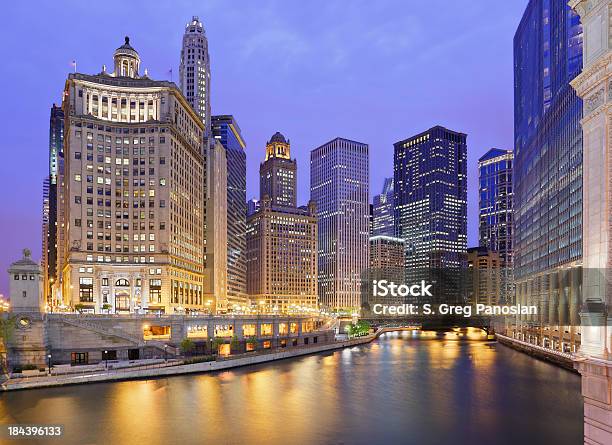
{"x": 495, "y": 209}
{"x": 281, "y": 239}
{"x": 548, "y": 174}
{"x": 252, "y": 206}
{"x": 339, "y": 186}
{"x": 50, "y": 200}
{"x": 485, "y": 275}
{"x": 282, "y": 259}
{"x": 593, "y": 86}
{"x": 226, "y": 130}
{"x": 132, "y": 209}
{"x": 382, "y": 211}
{"x": 194, "y": 71}
{"x": 216, "y": 229}
{"x": 278, "y": 173}
{"x": 386, "y": 263}
{"x": 430, "y": 198}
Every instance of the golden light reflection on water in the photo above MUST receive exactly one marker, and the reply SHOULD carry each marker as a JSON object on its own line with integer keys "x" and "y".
{"x": 407, "y": 384}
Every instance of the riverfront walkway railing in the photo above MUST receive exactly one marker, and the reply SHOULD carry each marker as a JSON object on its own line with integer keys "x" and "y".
{"x": 565, "y": 355}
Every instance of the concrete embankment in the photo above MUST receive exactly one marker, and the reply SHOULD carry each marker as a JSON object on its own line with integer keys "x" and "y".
{"x": 558, "y": 358}
{"x": 245, "y": 360}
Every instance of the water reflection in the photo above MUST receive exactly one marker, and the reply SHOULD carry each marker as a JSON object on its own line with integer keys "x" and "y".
{"x": 405, "y": 388}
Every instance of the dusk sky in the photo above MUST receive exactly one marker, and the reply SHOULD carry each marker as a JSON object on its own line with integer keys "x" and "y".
{"x": 372, "y": 71}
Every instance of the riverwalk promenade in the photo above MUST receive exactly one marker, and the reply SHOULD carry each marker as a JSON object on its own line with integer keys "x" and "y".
{"x": 144, "y": 369}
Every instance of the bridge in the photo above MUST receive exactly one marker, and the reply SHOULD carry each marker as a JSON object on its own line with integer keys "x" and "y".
{"x": 433, "y": 322}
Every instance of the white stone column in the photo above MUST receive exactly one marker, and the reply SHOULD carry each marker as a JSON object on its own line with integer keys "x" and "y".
{"x": 594, "y": 86}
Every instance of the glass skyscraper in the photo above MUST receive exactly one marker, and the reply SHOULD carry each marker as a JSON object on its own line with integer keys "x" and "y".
{"x": 430, "y": 198}
{"x": 226, "y": 130}
{"x": 495, "y": 202}
{"x": 339, "y": 182}
{"x": 548, "y": 169}
{"x": 495, "y": 212}
{"x": 382, "y": 211}
{"x": 50, "y": 189}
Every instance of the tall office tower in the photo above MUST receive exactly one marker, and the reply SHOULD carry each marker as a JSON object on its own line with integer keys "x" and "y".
{"x": 485, "y": 267}
{"x": 226, "y": 130}
{"x": 216, "y": 230}
{"x": 496, "y": 212}
{"x": 194, "y": 71}
{"x": 339, "y": 181}
{"x": 133, "y": 206}
{"x": 382, "y": 217}
{"x": 430, "y": 199}
{"x": 386, "y": 263}
{"x": 56, "y": 155}
{"x": 281, "y": 242}
{"x": 278, "y": 173}
{"x": 548, "y": 173}
{"x": 44, "y": 258}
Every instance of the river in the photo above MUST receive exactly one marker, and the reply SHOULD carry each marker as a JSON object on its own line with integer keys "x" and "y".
{"x": 404, "y": 388}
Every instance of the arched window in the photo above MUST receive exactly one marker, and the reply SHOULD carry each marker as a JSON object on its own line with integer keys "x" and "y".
{"x": 122, "y": 282}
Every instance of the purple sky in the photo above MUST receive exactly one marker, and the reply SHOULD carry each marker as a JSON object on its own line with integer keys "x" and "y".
{"x": 375, "y": 72}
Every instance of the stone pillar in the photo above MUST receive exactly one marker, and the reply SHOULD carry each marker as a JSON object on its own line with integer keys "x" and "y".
{"x": 597, "y": 393}
{"x": 594, "y": 87}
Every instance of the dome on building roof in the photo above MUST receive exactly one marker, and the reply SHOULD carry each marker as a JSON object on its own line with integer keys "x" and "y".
{"x": 126, "y": 49}
{"x": 278, "y": 137}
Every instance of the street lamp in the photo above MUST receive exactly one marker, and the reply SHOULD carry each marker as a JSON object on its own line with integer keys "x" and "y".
{"x": 106, "y": 359}
{"x": 49, "y": 362}
{"x": 165, "y": 353}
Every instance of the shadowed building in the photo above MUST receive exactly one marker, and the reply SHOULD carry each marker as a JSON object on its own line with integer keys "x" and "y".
{"x": 226, "y": 130}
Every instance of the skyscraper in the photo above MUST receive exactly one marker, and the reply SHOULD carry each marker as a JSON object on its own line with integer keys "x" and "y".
{"x": 195, "y": 84}
{"x": 278, "y": 173}
{"x": 194, "y": 71}
{"x": 56, "y": 159}
{"x": 226, "y": 130}
{"x": 548, "y": 172}
{"x": 496, "y": 213}
{"x": 281, "y": 239}
{"x": 339, "y": 183}
{"x": 382, "y": 218}
{"x": 430, "y": 198}
{"x": 132, "y": 214}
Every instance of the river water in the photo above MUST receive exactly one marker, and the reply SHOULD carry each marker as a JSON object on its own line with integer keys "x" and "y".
{"x": 405, "y": 388}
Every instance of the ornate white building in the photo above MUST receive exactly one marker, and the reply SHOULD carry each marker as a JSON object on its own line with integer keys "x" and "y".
{"x": 594, "y": 86}
{"x": 131, "y": 210}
